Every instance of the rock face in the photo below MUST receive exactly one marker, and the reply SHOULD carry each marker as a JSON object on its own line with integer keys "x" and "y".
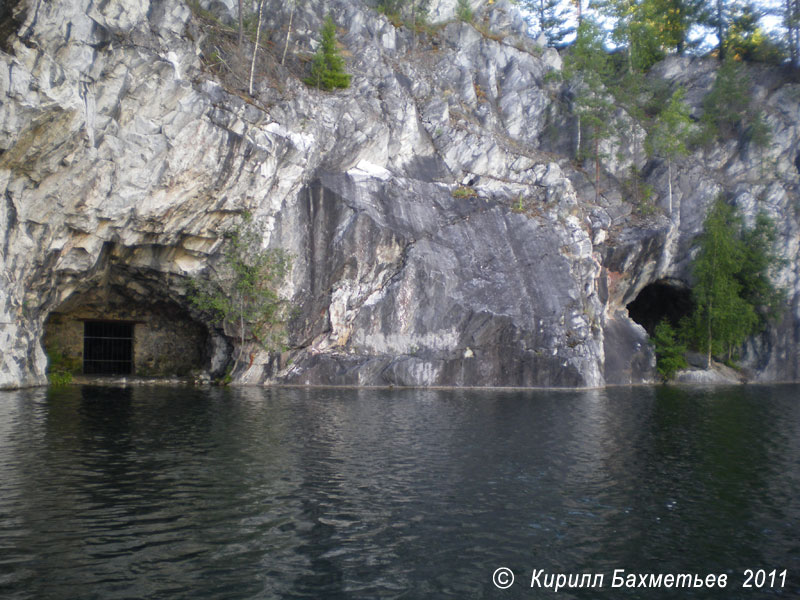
{"x": 416, "y": 287}
{"x": 441, "y": 233}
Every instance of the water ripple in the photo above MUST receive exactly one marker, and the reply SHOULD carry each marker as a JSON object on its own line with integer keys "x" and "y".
{"x": 182, "y": 493}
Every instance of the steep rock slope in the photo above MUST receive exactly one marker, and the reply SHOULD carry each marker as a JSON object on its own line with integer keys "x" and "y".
{"x": 125, "y": 155}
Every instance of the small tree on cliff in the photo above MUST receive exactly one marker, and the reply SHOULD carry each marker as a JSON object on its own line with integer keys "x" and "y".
{"x": 464, "y": 11}
{"x": 241, "y": 292}
{"x": 588, "y": 65}
{"x": 327, "y": 68}
{"x": 671, "y": 132}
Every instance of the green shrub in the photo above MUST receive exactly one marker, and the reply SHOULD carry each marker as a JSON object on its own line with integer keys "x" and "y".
{"x": 61, "y": 367}
{"x": 390, "y": 8}
{"x": 669, "y": 351}
{"x": 464, "y": 192}
{"x": 59, "y": 378}
{"x": 227, "y": 378}
{"x": 553, "y": 76}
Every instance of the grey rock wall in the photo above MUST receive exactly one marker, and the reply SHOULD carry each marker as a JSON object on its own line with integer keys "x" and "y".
{"x": 123, "y": 155}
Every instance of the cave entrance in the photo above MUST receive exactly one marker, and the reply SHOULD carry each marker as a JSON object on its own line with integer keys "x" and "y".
{"x": 111, "y": 332}
{"x": 664, "y": 299}
{"x": 107, "y": 348}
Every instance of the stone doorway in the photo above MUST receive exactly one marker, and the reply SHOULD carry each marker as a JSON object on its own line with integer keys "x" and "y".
{"x": 112, "y": 334}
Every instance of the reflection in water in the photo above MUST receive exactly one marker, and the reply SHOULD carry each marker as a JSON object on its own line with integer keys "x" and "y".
{"x": 307, "y": 493}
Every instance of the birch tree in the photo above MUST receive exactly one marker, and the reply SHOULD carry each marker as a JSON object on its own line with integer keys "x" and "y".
{"x": 668, "y": 137}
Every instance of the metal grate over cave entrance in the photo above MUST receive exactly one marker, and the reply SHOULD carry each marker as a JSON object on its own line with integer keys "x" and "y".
{"x": 107, "y": 348}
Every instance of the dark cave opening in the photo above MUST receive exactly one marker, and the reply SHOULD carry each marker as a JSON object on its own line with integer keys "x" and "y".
{"x": 108, "y": 331}
{"x": 108, "y": 347}
{"x": 663, "y": 299}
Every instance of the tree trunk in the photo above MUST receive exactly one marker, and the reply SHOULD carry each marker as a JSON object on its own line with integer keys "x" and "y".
{"x": 708, "y": 355}
{"x": 255, "y": 48}
{"x": 241, "y": 333}
{"x": 596, "y": 165}
{"x": 788, "y": 11}
{"x": 289, "y": 32}
{"x": 241, "y": 23}
{"x": 796, "y": 26}
{"x": 413, "y": 26}
{"x": 793, "y": 30}
{"x": 669, "y": 183}
{"x": 711, "y": 305}
{"x": 720, "y": 30}
{"x": 635, "y": 170}
{"x": 237, "y": 359}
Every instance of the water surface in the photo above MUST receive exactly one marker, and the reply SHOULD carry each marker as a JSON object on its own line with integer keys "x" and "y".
{"x": 157, "y": 492}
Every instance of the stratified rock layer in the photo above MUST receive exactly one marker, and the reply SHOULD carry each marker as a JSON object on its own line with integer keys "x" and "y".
{"x": 441, "y": 234}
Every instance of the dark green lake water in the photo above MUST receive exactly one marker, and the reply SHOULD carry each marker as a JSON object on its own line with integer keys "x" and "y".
{"x": 309, "y": 493}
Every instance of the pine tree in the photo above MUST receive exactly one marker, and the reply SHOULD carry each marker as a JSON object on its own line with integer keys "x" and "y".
{"x": 650, "y": 28}
{"x": 464, "y": 11}
{"x": 327, "y": 68}
{"x": 734, "y": 296}
{"x": 552, "y": 19}
{"x": 726, "y": 108}
{"x": 632, "y": 30}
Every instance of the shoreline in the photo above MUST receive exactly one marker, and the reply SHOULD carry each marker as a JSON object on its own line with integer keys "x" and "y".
{"x": 123, "y": 382}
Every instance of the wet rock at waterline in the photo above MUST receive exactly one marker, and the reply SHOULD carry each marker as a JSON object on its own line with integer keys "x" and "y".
{"x": 442, "y": 233}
